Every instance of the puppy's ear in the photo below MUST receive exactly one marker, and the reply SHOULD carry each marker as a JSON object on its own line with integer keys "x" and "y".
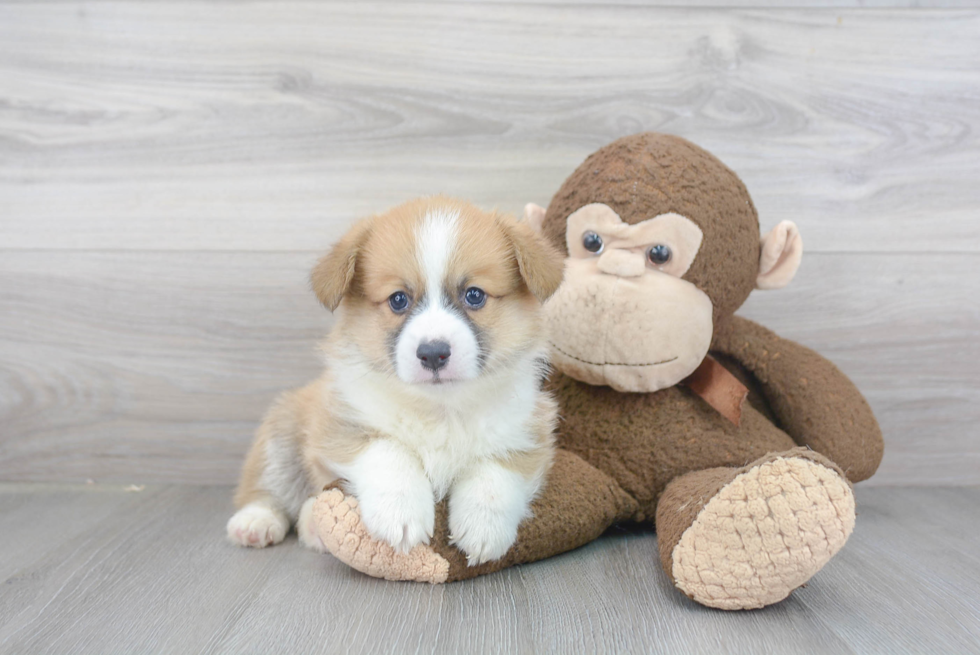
{"x": 540, "y": 263}
{"x": 332, "y": 275}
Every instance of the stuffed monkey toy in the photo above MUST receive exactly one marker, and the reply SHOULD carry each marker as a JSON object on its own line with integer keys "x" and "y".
{"x": 740, "y": 447}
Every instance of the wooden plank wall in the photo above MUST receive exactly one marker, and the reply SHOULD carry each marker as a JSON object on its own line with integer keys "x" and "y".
{"x": 170, "y": 170}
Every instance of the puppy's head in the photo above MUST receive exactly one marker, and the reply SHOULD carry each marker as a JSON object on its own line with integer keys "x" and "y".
{"x": 436, "y": 290}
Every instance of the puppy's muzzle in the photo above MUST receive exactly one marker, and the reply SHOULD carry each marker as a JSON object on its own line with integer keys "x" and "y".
{"x": 433, "y": 354}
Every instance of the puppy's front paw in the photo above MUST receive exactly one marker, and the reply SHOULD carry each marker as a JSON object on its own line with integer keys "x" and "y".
{"x": 402, "y": 518}
{"x": 483, "y": 537}
{"x": 484, "y": 512}
{"x": 257, "y": 525}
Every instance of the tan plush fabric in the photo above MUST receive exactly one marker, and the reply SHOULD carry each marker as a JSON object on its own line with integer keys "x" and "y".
{"x": 338, "y": 523}
{"x": 760, "y": 535}
{"x": 782, "y": 252}
{"x": 657, "y": 344}
{"x": 675, "y": 230}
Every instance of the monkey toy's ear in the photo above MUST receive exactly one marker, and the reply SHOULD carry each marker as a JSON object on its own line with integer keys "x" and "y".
{"x": 534, "y": 216}
{"x": 782, "y": 250}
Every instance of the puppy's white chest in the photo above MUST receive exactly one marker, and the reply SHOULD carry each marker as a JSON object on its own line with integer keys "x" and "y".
{"x": 445, "y": 449}
{"x": 450, "y": 437}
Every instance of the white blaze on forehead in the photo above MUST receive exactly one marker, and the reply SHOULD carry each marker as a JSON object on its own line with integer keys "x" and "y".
{"x": 436, "y": 241}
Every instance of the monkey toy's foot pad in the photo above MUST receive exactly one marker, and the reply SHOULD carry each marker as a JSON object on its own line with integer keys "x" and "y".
{"x": 337, "y": 521}
{"x": 764, "y": 534}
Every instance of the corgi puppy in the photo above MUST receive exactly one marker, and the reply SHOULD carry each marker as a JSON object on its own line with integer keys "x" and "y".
{"x": 432, "y": 385}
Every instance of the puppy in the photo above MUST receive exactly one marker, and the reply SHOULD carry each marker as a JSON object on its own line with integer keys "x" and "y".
{"x": 432, "y": 386}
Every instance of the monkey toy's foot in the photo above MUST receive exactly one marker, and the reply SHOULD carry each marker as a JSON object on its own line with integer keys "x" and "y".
{"x": 754, "y": 534}
{"x": 336, "y": 519}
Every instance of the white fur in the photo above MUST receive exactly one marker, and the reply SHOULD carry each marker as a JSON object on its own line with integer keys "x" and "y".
{"x": 435, "y": 242}
{"x": 448, "y": 427}
{"x": 306, "y": 529}
{"x": 397, "y": 505}
{"x": 283, "y": 476}
{"x": 447, "y": 433}
{"x": 258, "y": 525}
{"x": 486, "y": 505}
{"x": 436, "y": 323}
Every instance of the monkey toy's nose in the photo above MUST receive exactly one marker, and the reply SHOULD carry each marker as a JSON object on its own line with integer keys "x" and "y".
{"x": 622, "y": 263}
{"x": 433, "y": 354}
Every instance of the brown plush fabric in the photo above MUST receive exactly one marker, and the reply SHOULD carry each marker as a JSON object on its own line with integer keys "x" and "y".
{"x": 648, "y": 174}
{"x": 645, "y": 440}
{"x": 578, "y": 504}
{"x": 810, "y": 398}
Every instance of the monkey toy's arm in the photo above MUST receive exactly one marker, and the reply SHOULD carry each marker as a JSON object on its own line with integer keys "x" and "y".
{"x": 813, "y": 402}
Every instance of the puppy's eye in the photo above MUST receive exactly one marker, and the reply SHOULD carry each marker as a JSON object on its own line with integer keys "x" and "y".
{"x": 398, "y": 302}
{"x": 658, "y": 254}
{"x": 475, "y": 298}
{"x": 592, "y": 242}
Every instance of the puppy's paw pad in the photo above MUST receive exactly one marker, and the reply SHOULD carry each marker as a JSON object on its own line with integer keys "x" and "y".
{"x": 257, "y": 526}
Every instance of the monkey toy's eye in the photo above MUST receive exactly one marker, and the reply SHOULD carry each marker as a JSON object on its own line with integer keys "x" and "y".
{"x": 658, "y": 254}
{"x": 592, "y": 242}
{"x": 475, "y": 298}
{"x": 398, "y": 302}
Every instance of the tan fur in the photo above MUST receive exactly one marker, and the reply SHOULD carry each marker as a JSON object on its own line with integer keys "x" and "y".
{"x": 311, "y": 419}
{"x": 332, "y": 275}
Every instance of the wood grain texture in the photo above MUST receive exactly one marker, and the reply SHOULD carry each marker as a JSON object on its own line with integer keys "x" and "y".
{"x": 152, "y": 573}
{"x": 711, "y": 4}
{"x": 271, "y": 125}
{"x": 155, "y": 367}
{"x": 169, "y": 171}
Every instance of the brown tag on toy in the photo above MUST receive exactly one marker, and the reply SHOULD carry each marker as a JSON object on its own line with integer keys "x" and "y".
{"x": 719, "y": 388}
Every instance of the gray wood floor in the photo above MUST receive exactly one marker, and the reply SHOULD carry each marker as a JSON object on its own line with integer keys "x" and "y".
{"x": 98, "y": 569}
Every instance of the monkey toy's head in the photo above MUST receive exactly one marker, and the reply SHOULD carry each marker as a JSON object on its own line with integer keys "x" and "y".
{"x": 662, "y": 243}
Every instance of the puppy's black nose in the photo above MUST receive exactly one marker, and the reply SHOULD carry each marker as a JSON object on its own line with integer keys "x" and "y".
{"x": 433, "y": 354}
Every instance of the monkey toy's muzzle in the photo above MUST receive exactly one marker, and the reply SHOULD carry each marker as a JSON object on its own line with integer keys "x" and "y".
{"x": 634, "y": 334}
